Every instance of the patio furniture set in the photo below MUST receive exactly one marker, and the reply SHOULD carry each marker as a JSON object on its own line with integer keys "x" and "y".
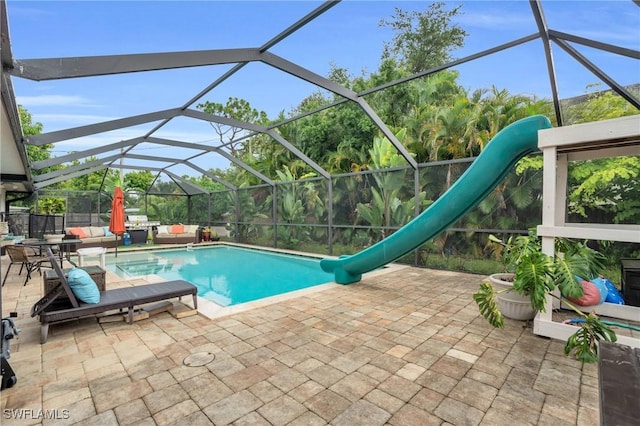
{"x": 65, "y": 289}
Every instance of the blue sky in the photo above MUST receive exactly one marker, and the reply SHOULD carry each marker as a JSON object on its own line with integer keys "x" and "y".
{"x": 348, "y": 36}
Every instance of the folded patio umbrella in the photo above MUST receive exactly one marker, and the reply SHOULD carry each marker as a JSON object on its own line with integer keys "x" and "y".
{"x": 116, "y": 223}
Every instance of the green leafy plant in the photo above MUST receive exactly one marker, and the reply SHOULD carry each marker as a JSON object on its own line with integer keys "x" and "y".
{"x": 584, "y": 341}
{"x": 486, "y": 300}
{"x": 387, "y": 208}
{"x": 537, "y": 275}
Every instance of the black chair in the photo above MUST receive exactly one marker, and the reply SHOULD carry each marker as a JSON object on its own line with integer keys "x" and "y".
{"x": 26, "y": 257}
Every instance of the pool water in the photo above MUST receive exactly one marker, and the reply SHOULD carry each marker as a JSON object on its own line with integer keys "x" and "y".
{"x": 223, "y": 274}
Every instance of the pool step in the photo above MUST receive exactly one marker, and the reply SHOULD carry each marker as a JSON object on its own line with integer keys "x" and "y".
{"x": 143, "y": 267}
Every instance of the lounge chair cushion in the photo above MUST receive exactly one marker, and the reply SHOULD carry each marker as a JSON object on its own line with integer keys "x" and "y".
{"x": 83, "y": 286}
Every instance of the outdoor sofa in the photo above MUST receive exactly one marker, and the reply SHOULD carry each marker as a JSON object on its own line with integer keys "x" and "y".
{"x": 91, "y": 236}
{"x": 176, "y": 234}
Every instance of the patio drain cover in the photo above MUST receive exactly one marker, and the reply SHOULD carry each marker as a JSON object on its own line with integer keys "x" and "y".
{"x": 198, "y": 359}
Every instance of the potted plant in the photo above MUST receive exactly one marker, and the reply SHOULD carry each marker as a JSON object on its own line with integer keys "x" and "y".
{"x": 209, "y": 235}
{"x": 532, "y": 274}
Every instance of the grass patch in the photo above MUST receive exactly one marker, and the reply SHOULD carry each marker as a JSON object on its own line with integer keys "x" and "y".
{"x": 461, "y": 264}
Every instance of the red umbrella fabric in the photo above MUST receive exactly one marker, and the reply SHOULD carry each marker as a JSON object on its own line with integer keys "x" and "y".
{"x": 116, "y": 223}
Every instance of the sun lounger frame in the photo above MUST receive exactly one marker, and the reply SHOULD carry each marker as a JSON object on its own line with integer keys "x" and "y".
{"x": 53, "y": 307}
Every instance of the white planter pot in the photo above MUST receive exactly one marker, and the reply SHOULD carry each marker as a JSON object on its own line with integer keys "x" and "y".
{"x": 511, "y": 304}
{"x": 504, "y": 280}
{"x": 53, "y": 238}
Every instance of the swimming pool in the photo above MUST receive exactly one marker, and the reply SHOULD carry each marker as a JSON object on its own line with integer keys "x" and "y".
{"x": 225, "y": 275}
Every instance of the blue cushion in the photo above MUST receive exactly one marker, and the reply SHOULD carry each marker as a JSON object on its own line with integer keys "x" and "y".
{"x": 613, "y": 295}
{"x": 107, "y": 233}
{"x": 83, "y": 286}
{"x": 599, "y": 282}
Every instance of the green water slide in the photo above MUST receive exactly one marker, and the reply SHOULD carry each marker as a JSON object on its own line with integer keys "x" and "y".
{"x": 487, "y": 171}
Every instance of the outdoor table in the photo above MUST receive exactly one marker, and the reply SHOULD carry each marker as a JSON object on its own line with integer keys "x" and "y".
{"x": 51, "y": 278}
{"x": 63, "y": 253}
{"x": 100, "y": 252}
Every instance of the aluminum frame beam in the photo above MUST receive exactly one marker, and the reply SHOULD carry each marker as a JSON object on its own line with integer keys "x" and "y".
{"x": 184, "y": 183}
{"x": 79, "y": 173}
{"x": 598, "y": 73}
{"x": 259, "y": 129}
{"x": 210, "y": 176}
{"x": 84, "y": 154}
{"x": 92, "y": 66}
{"x": 105, "y": 126}
{"x": 8, "y": 99}
{"x": 244, "y": 166}
{"x": 388, "y": 133}
{"x": 611, "y": 48}
{"x": 206, "y": 149}
{"x": 203, "y": 92}
{"x": 175, "y": 162}
{"x": 6, "y": 55}
{"x": 295, "y": 151}
{"x": 172, "y": 161}
{"x": 227, "y": 121}
{"x": 196, "y": 189}
{"x": 311, "y": 77}
{"x": 469, "y": 58}
{"x": 74, "y": 168}
{"x": 166, "y": 115}
{"x": 543, "y": 29}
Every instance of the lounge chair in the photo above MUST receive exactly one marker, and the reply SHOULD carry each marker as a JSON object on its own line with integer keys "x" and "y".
{"x": 54, "y": 307}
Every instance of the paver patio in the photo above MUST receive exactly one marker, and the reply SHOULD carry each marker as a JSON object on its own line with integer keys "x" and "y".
{"x": 402, "y": 348}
